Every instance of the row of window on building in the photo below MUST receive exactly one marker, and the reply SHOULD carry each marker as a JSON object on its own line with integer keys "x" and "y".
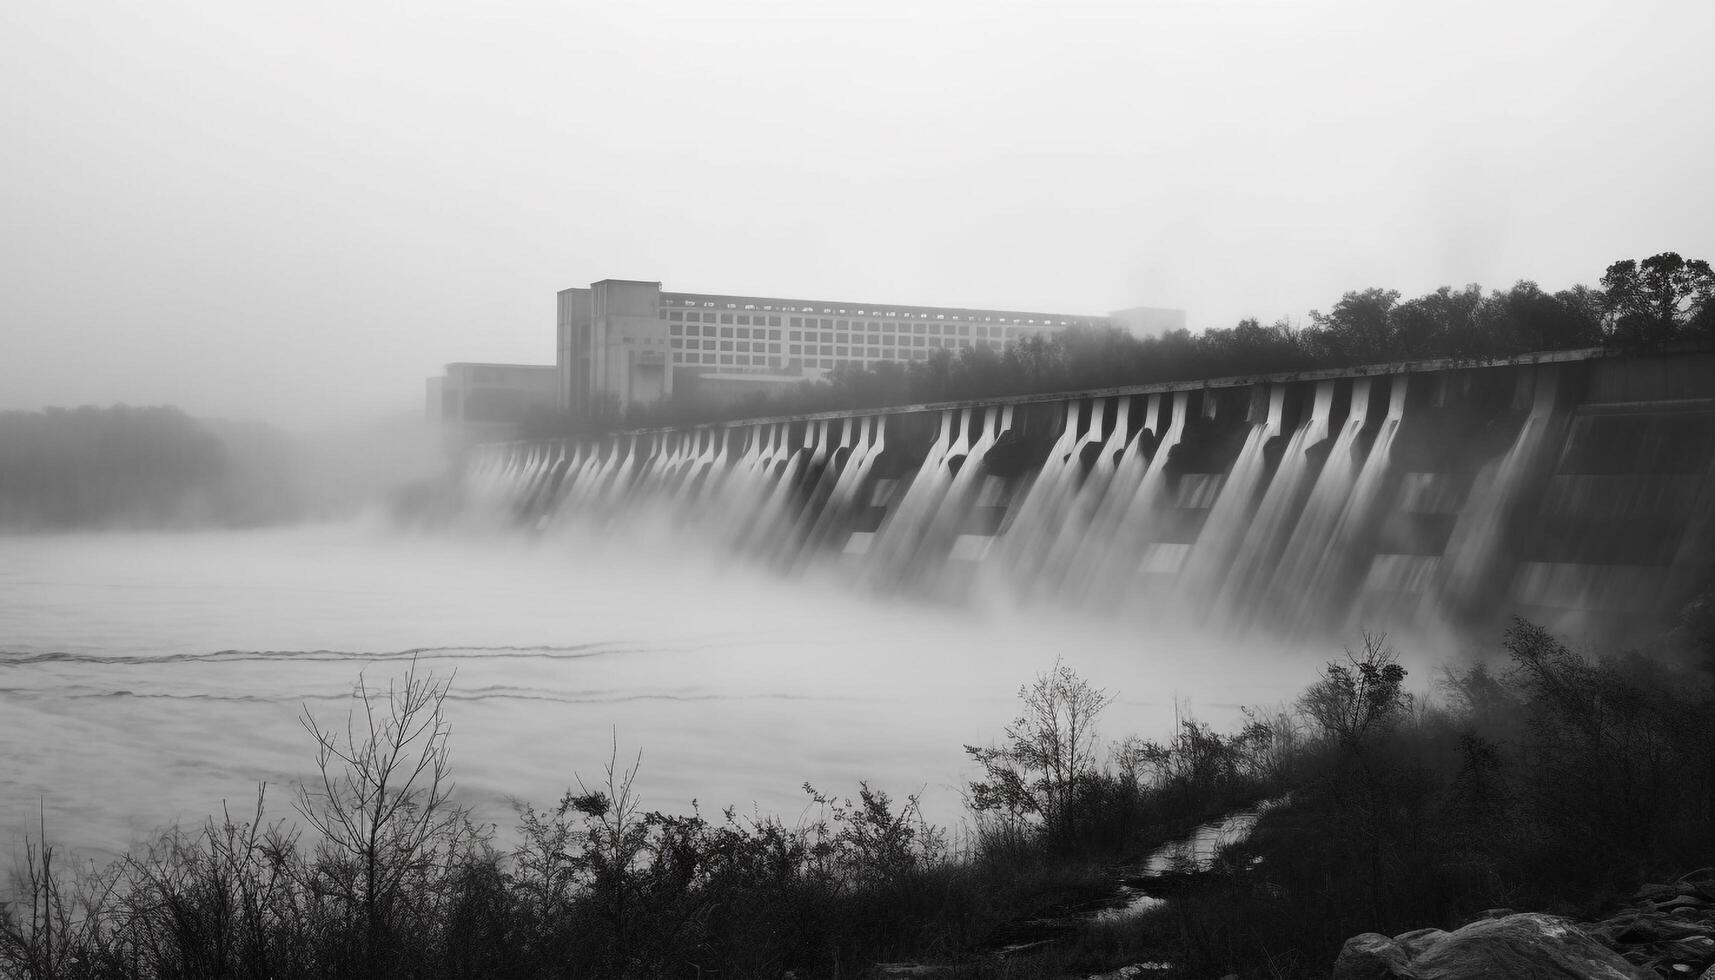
{"x": 837, "y": 331}
{"x": 676, "y": 316}
{"x": 836, "y": 345}
{"x": 890, "y": 314}
{"x": 830, "y": 344}
{"x": 775, "y": 360}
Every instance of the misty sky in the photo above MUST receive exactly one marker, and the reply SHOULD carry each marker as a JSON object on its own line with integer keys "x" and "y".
{"x": 296, "y": 211}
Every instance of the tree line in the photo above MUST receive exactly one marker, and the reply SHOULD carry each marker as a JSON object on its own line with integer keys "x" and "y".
{"x": 1638, "y": 305}
{"x": 125, "y": 466}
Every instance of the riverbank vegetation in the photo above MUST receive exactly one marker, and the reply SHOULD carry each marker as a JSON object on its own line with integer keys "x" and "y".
{"x": 156, "y": 468}
{"x": 151, "y": 467}
{"x": 1554, "y": 781}
{"x": 1550, "y": 780}
{"x": 1661, "y": 300}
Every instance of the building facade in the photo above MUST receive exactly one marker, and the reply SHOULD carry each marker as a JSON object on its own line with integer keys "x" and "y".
{"x": 624, "y": 342}
{"x": 478, "y": 402}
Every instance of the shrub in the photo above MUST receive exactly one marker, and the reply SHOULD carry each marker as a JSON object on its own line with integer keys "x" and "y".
{"x": 1049, "y": 755}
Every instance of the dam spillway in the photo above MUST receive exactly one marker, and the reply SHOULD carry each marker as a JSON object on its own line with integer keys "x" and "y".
{"x": 1575, "y": 488}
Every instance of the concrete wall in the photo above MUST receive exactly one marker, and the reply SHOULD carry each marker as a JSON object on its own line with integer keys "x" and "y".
{"x": 1577, "y": 488}
{"x": 572, "y": 347}
{"x": 612, "y": 347}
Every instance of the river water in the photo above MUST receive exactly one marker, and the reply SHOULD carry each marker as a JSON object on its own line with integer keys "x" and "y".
{"x": 146, "y": 678}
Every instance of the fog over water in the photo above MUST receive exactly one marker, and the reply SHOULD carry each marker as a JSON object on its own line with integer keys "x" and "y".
{"x": 148, "y": 677}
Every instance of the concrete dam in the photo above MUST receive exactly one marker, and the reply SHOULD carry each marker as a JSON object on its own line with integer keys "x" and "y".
{"x": 1576, "y": 488}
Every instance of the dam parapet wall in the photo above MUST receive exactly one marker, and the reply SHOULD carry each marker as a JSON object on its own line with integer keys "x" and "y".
{"x": 1575, "y": 487}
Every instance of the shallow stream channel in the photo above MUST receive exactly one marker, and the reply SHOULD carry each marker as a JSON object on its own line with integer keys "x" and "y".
{"x": 1139, "y": 887}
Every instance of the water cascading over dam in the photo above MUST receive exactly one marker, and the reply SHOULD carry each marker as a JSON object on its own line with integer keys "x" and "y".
{"x": 1576, "y": 488}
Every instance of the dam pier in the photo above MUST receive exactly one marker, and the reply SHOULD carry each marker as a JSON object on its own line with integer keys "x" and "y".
{"x": 1576, "y": 488}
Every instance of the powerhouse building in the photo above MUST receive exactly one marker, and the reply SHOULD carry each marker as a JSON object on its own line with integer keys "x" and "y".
{"x": 624, "y": 341}
{"x": 473, "y": 402}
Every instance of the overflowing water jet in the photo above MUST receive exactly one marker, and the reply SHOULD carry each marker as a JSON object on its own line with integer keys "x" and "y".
{"x": 1303, "y": 504}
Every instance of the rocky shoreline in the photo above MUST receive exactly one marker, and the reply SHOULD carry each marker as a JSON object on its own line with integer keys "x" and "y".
{"x": 1664, "y": 930}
